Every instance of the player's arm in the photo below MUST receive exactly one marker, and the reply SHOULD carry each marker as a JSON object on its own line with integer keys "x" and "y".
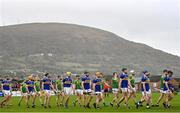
{"x": 21, "y": 88}
{"x": 27, "y": 88}
{"x": 56, "y": 86}
{"x": 62, "y": 86}
{"x": 93, "y": 87}
{"x": 74, "y": 87}
{"x": 144, "y": 87}
{"x": 42, "y": 85}
{"x": 129, "y": 84}
{"x": 35, "y": 88}
{"x": 107, "y": 85}
{"x": 120, "y": 84}
{"x": 82, "y": 85}
{"x": 2, "y": 86}
{"x": 52, "y": 86}
{"x": 10, "y": 86}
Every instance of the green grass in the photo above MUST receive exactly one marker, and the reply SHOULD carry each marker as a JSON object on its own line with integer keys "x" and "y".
{"x": 15, "y": 108}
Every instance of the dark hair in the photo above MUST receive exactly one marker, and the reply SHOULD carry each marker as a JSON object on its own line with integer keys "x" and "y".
{"x": 123, "y": 69}
{"x": 169, "y": 71}
{"x": 77, "y": 75}
{"x": 114, "y": 73}
{"x": 46, "y": 74}
{"x": 145, "y": 71}
{"x": 165, "y": 70}
{"x": 86, "y": 72}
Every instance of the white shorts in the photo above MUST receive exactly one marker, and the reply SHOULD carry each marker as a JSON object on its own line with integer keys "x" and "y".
{"x": 47, "y": 92}
{"x": 67, "y": 90}
{"x": 147, "y": 93}
{"x": 124, "y": 89}
{"x": 96, "y": 93}
{"x": 161, "y": 91}
{"x": 79, "y": 91}
{"x": 132, "y": 90}
{"x": 165, "y": 92}
{"x": 7, "y": 92}
{"x": 115, "y": 90}
{"x": 59, "y": 91}
{"x": 31, "y": 93}
{"x": 24, "y": 94}
{"x": 87, "y": 91}
{"x": 38, "y": 92}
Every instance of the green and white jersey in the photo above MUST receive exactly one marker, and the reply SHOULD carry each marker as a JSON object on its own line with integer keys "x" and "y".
{"x": 77, "y": 84}
{"x": 59, "y": 85}
{"x": 132, "y": 80}
{"x": 37, "y": 85}
{"x": 23, "y": 87}
{"x": 115, "y": 82}
{"x": 161, "y": 82}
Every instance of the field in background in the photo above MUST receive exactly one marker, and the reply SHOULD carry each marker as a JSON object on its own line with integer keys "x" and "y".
{"x": 22, "y": 108}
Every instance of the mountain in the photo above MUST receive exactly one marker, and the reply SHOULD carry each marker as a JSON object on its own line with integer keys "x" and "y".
{"x": 58, "y": 47}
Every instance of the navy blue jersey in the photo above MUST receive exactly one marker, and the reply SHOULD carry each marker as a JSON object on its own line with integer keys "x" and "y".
{"x": 167, "y": 80}
{"x": 67, "y": 82}
{"x": 98, "y": 83}
{"x": 47, "y": 83}
{"x": 86, "y": 79}
{"x": 30, "y": 85}
{"x": 170, "y": 83}
{"x": 6, "y": 84}
{"x": 124, "y": 80}
{"x": 145, "y": 80}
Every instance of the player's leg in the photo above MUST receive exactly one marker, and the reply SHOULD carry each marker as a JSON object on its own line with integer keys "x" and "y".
{"x": 27, "y": 100}
{"x": 151, "y": 101}
{"x": 67, "y": 93}
{"x": 77, "y": 97}
{"x": 34, "y": 99}
{"x": 49, "y": 99}
{"x": 122, "y": 98}
{"x": 103, "y": 98}
{"x": 126, "y": 99}
{"x": 170, "y": 97}
{"x": 115, "y": 97}
{"x": 20, "y": 100}
{"x": 62, "y": 98}
{"x": 98, "y": 99}
{"x": 57, "y": 98}
{"x": 67, "y": 100}
{"x": 90, "y": 96}
{"x": 40, "y": 98}
{"x": 148, "y": 100}
{"x": 132, "y": 95}
{"x": 45, "y": 99}
{"x": 9, "y": 98}
{"x": 143, "y": 99}
{"x": 4, "y": 100}
{"x": 96, "y": 102}
{"x": 161, "y": 95}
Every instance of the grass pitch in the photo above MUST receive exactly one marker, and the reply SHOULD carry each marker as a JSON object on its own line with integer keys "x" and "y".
{"x": 15, "y": 108}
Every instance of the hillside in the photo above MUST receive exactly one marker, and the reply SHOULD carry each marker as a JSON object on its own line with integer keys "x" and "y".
{"x": 59, "y": 47}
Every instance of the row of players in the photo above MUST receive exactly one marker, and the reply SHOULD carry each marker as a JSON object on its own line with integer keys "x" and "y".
{"x": 85, "y": 89}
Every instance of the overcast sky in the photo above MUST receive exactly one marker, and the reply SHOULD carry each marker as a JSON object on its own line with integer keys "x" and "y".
{"x": 153, "y": 22}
